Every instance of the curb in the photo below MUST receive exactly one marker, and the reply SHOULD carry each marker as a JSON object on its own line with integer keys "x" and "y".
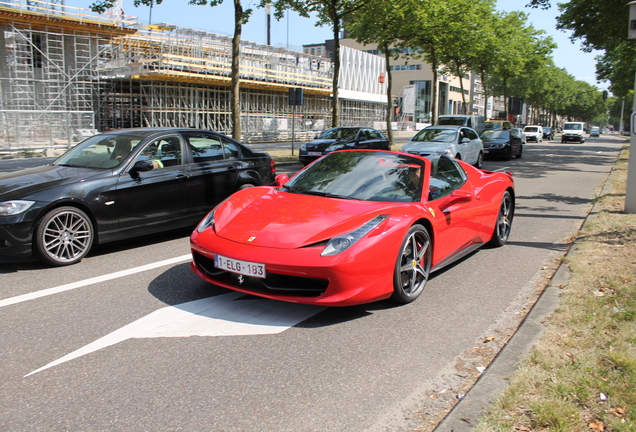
{"x": 466, "y": 413}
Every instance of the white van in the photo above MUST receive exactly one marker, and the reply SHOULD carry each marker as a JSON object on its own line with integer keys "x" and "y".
{"x": 573, "y": 131}
{"x": 475, "y": 122}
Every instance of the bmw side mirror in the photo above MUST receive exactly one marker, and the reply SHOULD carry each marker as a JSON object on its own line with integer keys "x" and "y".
{"x": 142, "y": 165}
{"x": 465, "y": 140}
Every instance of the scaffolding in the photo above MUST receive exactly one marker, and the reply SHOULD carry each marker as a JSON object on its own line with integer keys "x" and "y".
{"x": 59, "y": 59}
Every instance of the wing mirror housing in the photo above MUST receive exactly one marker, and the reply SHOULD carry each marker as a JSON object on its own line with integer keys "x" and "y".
{"x": 281, "y": 179}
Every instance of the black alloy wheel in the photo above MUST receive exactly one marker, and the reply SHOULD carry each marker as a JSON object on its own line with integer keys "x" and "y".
{"x": 504, "y": 221}
{"x": 413, "y": 265}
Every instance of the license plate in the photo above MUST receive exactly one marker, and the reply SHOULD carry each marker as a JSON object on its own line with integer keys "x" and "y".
{"x": 314, "y": 154}
{"x": 486, "y": 151}
{"x": 241, "y": 267}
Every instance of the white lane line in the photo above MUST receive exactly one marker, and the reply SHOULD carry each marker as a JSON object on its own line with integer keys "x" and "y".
{"x": 223, "y": 315}
{"x": 79, "y": 284}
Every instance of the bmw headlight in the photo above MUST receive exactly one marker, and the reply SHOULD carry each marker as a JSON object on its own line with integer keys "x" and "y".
{"x": 335, "y": 147}
{"x": 10, "y": 208}
{"x": 207, "y": 221}
{"x": 303, "y": 147}
{"x": 341, "y": 243}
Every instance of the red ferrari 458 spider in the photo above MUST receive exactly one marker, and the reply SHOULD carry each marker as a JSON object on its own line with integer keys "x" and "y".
{"x": 353, "y": 227}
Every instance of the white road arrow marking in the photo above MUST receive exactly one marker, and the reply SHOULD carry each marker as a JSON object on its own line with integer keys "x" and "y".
{"x": 222, "y": 315}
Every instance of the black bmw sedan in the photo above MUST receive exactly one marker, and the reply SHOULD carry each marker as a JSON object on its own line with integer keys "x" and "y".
{"x": 122, "y": 184}
{"x": 343, "y": 138}
{"x": 502, "y": 143}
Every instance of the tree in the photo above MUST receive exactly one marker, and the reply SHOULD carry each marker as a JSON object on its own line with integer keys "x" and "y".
{"x": 241, "y": 16}
{"x": 329, "y": 12}
{"x": 380, "y": 22}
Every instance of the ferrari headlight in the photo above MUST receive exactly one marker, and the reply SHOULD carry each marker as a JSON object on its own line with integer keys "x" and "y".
{"x": 341, "y": 243}
{"x": 10, "y": 208}
{"x": 207, "y": 221}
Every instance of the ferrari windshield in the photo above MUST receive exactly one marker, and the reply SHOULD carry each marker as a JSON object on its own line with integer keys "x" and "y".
{"x": 361, "y": 175}
{"x": 436, "y": 135}
{"x": 340, "y": 134}
{"x": 100, "y": 151}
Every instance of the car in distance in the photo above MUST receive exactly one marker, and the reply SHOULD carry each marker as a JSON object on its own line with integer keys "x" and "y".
{"x": 533, "y": 133}
{"x": 122, "y": 184}
{"x": 520, "y": 133}
{"x": 498, "y": 124}
{"x": 595, "y": 131}
{"x": 502, "y": 143}
{"x": 342, "y": 138}
{"x": 353, "y": 227}
{"x": 459, "y": 142}
{"x": 548, "y": 134}
{"x": 573, "y": 131}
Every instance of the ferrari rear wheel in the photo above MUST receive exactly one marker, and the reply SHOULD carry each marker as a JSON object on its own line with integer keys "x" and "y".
{"x": 64, "y": 236}
{"x": 504, "y": 221}
{"x": 413, "y": 265}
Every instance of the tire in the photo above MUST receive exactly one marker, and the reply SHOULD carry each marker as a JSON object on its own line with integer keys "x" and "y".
{"x": 64, "y": 236}
{"x": 508, "y": 154}
{"x": 520, "y": 152}
{"x": 480, "y": 160}
{"x": 504, "y": 221}
{"x": 413, "y": 265}
{"x": 246, "y": 185}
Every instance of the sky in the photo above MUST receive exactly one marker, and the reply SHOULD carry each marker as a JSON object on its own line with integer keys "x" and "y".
{"x": 294, "y": 31}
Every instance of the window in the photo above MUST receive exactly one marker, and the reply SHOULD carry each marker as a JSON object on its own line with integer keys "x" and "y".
{"x": 210, "y": 147}
{"x": 163, "y": 152}
{"x": 446, "y": 176}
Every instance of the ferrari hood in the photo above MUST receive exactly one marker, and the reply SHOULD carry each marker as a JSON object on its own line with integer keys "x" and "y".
{"x": 20, "y": 184}
{"x": 272, "y": 218}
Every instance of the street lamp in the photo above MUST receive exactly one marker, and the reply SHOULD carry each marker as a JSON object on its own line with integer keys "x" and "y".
{"x": 630, "y": 194}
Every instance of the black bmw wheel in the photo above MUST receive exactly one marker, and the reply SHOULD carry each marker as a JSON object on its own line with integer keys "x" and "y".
{"x": 413, "y": 265}
{"x": 64, "y": 236}
{"x": 504, "y": 221}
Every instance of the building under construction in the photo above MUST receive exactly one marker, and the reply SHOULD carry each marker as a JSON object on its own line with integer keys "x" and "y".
{"x": 67, "y": 72}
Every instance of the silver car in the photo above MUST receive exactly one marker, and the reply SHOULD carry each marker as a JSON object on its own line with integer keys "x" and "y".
{"x": 456, "y": 141}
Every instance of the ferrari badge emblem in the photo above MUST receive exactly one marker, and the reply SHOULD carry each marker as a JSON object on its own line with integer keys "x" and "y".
{"x": 240, "y": 279}
{"x": 251, "y": 239}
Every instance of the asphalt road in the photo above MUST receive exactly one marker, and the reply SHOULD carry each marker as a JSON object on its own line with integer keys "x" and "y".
{"x": 131, "y": 340}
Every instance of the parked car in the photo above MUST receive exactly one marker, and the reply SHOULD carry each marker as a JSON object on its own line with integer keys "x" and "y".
{"x": 522, "y": 135}
{"x": 122, "y": 184}
{"x": 502, "y": 143}
{"x": 475, "y": 122}
{"x": 548, "y": 134}
{"x": 573, "y": 131}
{"x": 498, "y": 124}
{"x": 342, "y": 138}
{"x": 595, "y": 131}
{"x": 533, "y": 133}
{"x": 459, "y": 142}
{"x": 353, "y": 227}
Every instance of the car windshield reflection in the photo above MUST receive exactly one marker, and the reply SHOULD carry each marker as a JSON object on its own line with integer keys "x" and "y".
{"x": 341, "y": 134}
{"x": 496, "y": 134}
{"x": 436, "y": 135}
{"x": 100, "y": 152}
{"x": 369, "y": 176}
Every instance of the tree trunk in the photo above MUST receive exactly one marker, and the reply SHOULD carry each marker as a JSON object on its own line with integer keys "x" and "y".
{"x": 485, "y": 91}
{"x": 434, "y": 98}
{"x": 389, "y": 100}
{"x": 335, "y": 105}
{"x": 235, "y": 95}
{"x": 458, "y": 71}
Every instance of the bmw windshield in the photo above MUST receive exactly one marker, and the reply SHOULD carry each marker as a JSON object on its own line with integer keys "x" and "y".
{"x": 100, "y": 151}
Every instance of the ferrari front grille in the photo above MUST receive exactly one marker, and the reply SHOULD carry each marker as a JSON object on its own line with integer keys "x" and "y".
{"x": 273, "y": 283}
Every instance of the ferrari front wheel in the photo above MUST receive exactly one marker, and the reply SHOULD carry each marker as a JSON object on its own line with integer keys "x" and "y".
{"x": 504, "y": 221}
{"x": 413, "y": 265}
